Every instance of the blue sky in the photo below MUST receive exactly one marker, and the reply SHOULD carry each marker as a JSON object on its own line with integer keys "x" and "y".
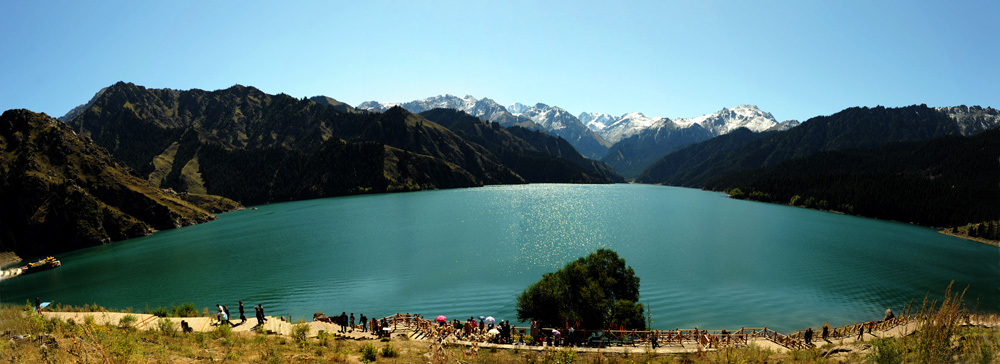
{"x": 795, "y": 59}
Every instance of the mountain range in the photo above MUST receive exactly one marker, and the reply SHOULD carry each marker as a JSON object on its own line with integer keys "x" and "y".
{"x": 256, "y": 148}
{"x": 629, "y": 143}
{"x": 762, "y": 162}
{"x": 550, "y": 120}
{"x": 107, "y": 170}
{"x": 646, "y": 140}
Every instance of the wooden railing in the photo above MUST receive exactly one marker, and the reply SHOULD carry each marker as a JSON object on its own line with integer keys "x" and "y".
{"x": 429, "y": 329}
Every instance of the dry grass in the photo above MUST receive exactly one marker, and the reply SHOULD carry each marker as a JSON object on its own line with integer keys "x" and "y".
{"x": 30, "y": 338}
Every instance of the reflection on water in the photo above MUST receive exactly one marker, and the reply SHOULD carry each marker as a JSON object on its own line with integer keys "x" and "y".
{"x": 703, "y": 259}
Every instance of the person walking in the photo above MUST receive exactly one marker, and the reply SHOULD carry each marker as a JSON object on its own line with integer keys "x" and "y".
{"x": 826, "y": 333}
{"x": 243, "y": 316}
{"x": 259, "y": 312}
{"x": 226, "y": 310}
{"x": 352, "y": 321}
{"x": 809, "y": 336}
{"x": 861, "y": 332}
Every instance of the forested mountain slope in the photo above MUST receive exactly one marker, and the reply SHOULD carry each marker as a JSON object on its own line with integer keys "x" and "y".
{"x": 59, "y": 191}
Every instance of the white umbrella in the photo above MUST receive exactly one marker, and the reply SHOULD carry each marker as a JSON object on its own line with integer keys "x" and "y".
{"x": 489, "y": 320}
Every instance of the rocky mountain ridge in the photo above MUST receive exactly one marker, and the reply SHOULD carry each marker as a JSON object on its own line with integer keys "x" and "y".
{"x": 60, "y": 191}
{"x": 207, "y": 141}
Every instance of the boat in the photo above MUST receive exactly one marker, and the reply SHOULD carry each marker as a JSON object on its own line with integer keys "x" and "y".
{"x": 43, "y": 264}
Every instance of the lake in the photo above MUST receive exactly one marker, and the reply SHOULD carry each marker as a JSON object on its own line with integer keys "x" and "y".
{"x": 703, "y": 259}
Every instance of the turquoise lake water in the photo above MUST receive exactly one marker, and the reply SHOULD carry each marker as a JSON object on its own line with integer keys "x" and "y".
{"x": 703, "y": 259}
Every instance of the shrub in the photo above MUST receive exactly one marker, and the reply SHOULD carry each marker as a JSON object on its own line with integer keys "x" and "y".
{"x": 127, "y": 321}
{"x": 368, "y": 353}
{"x": 389, "y": 352}
{"x": 222, "y": 331}
{"x": 159, "y": 312}
{"x": 886, "y": 351}
{"x": 300, "y": 332}
{"x": 185, "y": 310}
{"x": 933, "y": 340}
{"x": 323, "y": 337}
{"x": 167, "y": 326}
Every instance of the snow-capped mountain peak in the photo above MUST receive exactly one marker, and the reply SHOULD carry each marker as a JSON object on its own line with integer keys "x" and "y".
{"x": 596, "y": 121}
{"x": 627, "y": 125}
{"x": 726, "y": 120}
{"x": 973, "y": 119}
{"x": 517, "y": 108}
{"x": 375, "y": 106}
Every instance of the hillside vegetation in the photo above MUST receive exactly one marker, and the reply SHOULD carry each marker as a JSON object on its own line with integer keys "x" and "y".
{"x": 60, "y": 191}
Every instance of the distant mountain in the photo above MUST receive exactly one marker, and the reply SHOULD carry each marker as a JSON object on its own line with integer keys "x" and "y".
{"x": 374, "y": 106}
{"x": 76, "y": 111}
{"x": 784, "y": 125}
{"x": 255, "y": 147}
{"x": 596, "y": 121}
{"x": 60, "y": 191}
{"x": 517, "y": 108}
{"x": 973, "y": 120}
{"x": 628, "y": 125}
{"x": 690, "y": 163}
{"x": 865, "y": 127}
{"x": 640, "y": 141}
{"x": 536, "y": 156}
{"x": 726, "y": 120}
{"x": 550, "y": 120}
{"x": 556, "y": 121}
{"x": 941, "y": 182}
{"x": 329, "y": 101}
{"x": 632, "y": 155}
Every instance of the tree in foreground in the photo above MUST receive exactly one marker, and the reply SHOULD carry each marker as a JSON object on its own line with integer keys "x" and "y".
{"x": 595, "y": 292}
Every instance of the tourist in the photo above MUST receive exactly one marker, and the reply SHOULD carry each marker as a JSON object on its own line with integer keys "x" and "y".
{"x": 342, "y": 320}
{"x": 655, "y": 340}
{"x": 218, "y": 315}
{"x": 226, "y": 310}
{"x": 38, "y": 305}
{"x": 364, "y": 322}
{"x": 260, "y": 315}
{"x": 352, "y": 321}
{"x": 809, "y": 336}
{"x": 243, "y": 316}
{"x": 861, "y": 332}
{"x": 826, "y": 332}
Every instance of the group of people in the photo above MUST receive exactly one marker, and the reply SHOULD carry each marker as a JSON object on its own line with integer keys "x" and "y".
{"x": 349, "y": 323}
{"x": 223, "y": 315}
{"x": 869, "y": 326}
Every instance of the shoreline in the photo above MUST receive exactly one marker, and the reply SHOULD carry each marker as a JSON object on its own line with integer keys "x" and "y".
{"x": 939, "y": 229}
{"x": 969, "y": 238}
{"x": 8, "y": 258}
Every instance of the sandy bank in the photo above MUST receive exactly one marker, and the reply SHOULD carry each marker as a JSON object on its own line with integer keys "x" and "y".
{"x": 966, "y": 237}
{"x": 7, "y": 258}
